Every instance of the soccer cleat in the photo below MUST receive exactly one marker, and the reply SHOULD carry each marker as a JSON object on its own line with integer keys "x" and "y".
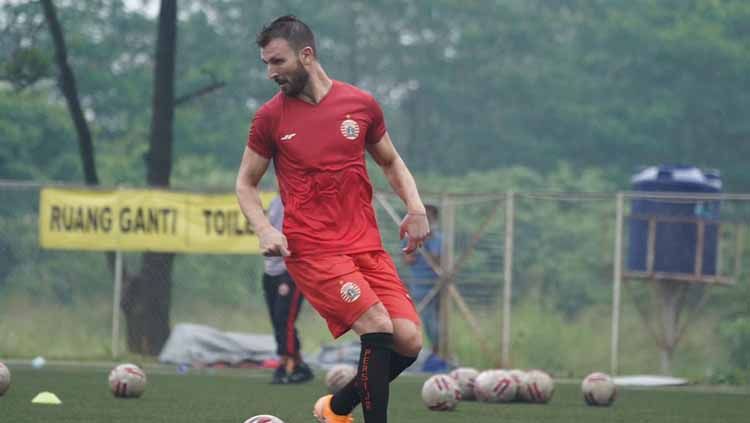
{"x": 301, "y": 373}
{"x": 279, "y": 376}
{"x": 322, "y": 411}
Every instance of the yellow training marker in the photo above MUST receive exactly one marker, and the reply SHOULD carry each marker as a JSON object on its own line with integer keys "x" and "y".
{"x": 46, "y": 398}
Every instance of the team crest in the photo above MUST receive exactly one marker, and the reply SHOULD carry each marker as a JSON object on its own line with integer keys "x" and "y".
{"x": 349, "y": 129}
{"x": 350, "y": 292}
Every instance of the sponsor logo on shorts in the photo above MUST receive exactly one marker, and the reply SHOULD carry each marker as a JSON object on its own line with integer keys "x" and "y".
{"x": 350, "y": 292}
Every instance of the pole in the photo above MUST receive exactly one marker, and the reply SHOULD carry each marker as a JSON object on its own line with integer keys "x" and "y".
{"x": 448, "y": 223}
{"x": 508, "y": 278}
{"x": 617, "y": 284}
{"x": 116, "y": 305}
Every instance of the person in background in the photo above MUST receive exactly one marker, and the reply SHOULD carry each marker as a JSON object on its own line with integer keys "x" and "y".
{"x": 284, "y": 301}
{"x": 423, "y": 279}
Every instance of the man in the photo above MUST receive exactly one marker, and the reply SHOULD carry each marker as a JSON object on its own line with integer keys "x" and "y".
{"x": 423, "y": 280}
{"x": 316, "y": 131}
{"x": 284, "y": 301}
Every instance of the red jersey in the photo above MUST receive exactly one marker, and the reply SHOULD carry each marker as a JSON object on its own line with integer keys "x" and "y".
{"x": 318, "y": 152}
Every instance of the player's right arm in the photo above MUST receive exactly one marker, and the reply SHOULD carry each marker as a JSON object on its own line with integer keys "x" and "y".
{"x": 252, "y": 169}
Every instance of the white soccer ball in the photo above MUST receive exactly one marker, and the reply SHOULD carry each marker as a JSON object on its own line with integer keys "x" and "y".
{"x": 598, "y": 389}
{"x": 465, "y": 377}
{"x": 338, "y": 376}
{"x": 441, "y": 393}
{"x": 4, "y": 378}
{"x": 127, "y": 381}
{"x": 537, "y": 387}
{"x": 518, "y": 376}
{"x": 495, "y": 386}
{"x": 264, "y": 418}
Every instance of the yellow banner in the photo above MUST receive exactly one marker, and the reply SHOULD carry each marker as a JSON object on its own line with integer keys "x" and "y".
{"x": 145, "y": 220}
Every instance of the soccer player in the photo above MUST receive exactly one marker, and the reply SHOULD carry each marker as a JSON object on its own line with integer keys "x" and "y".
{"x": 316, "y": 130}
{"x": 284, "y": 301}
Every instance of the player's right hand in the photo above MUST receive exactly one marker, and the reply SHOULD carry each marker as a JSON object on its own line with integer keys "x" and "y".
{"x": 416, "y": 228}
{"x": 273, "y": 243}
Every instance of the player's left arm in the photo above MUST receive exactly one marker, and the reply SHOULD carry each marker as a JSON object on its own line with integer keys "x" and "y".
{"x": 415, "y": 224}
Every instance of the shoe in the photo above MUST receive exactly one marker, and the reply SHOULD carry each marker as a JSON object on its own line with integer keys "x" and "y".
{"x": 435, "y": 364}
{"x": 322, "y": 411}
{"x": 279, "y": 376}
{"x": 301, "y": 373}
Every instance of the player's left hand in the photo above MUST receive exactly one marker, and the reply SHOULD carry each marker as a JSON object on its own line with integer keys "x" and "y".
{"x": 416, "y": 228}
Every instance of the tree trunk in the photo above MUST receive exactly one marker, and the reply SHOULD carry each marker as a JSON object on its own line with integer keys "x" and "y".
{"x": 147, "y": 296}
{"x": 159, "y": 157}
{"x": 70, "y": 92}
{"x": 146, "y": 302}
{"x": 672, "y": 295}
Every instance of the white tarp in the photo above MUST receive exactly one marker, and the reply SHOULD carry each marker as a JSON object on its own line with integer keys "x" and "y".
{"x": 198, "y": 344}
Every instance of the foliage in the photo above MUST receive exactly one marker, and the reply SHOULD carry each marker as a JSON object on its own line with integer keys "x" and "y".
{"x": 38, "y": 142}
{"x": 737, "y": 335}
{"x": 601, "y": 84}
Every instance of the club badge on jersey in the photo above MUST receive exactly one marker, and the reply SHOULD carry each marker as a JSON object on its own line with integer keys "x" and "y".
{"x": 349, "y": 129}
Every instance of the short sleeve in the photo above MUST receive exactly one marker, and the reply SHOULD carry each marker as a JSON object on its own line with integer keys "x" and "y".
{"x": 260, "y": 139}
{"x": 377, "y": 128}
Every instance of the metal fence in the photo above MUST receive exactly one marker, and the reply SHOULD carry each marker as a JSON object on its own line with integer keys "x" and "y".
{"x": 526, "y": 280}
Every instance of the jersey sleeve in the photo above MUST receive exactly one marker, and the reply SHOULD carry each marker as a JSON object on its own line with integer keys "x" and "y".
{"x": 260, "y": 139}
{"x": 377, "y": 128}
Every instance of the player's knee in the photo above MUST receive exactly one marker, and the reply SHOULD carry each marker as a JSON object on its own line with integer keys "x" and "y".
{"x": 376, "y": 319}
{"x": 407, "y": 338}
{"x": 410, "y": 346}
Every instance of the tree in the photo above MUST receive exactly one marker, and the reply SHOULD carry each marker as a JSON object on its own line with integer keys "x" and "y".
{"x": 146, "y": 294}
{"x": 70, "y": 91}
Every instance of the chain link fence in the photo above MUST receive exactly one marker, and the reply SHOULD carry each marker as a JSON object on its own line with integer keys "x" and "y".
{"x": 529, "y": 280}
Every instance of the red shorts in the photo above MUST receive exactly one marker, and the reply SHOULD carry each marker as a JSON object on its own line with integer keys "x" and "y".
{"x": 342, "y": 287}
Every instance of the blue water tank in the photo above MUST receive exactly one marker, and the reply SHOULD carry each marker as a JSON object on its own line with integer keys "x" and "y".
{"x": 676, "y": 242}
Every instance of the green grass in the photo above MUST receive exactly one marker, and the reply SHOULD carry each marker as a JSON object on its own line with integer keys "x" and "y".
{"x": 235, "y": 395}
{"x": 541, "y": 338}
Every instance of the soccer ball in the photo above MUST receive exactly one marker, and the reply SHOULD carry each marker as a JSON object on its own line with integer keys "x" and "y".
{"x": 338, "y": 376}
{"x": 441, "y": 393}
{"x": 598, "y": 389}
{"x": 127, "y": 381}
{"x": 465, "y": 376}
{"x": 518, "y": 376}
{"x": 495, "y": 386}
{"x": 537, "y": 386}
{"x": 264, "y": 418}
{"x": 4, "y": 378}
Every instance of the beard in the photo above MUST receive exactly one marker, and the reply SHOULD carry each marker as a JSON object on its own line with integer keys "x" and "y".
{"x": 295, "y": 83}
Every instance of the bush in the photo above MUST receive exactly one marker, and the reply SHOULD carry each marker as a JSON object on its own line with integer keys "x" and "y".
{"x": 736, "y": 335}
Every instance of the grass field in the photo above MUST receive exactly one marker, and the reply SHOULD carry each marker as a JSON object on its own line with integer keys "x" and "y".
{"x": 540, "y": 337}
{"x": 234, "y": 395}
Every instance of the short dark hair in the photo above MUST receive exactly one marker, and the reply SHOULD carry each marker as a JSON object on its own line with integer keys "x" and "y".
{"x": 289, "y": 28}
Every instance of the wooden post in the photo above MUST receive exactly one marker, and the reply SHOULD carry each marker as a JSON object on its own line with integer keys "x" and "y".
{"x": 508, "y": 279}
{"x": 616, "y": 285}
{"x": 116, "y": 298}
{"x": 448, "y": 223}
{"x": 700, "y": 241}
{"x": 651, "y": 246}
